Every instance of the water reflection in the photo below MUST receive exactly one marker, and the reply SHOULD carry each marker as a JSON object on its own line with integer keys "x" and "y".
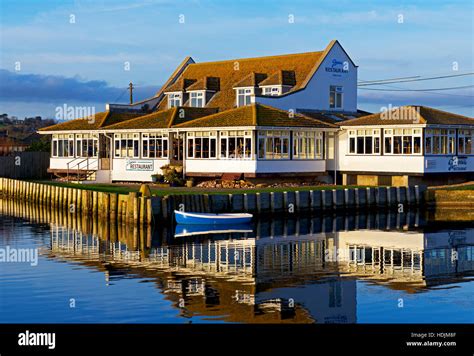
{"x": 299, "y": 270}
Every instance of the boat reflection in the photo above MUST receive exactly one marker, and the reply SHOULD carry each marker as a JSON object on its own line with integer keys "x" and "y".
{"x": 300, "y": 270}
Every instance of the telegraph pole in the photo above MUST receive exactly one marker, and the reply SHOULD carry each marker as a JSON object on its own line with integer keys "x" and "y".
{"x": 130, "y": 87}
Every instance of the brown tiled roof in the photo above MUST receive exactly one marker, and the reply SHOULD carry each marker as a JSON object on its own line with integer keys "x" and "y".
{"x": 333, "y": 117}
{"x": 207, "y": 83}
{"x": 95, "y": 122}
{"x": 281, "y": 77}
{"x": 255, "y": 115}
{"x": 408, "y": 115}
{"x": 233, "y": 72}
{"x": 180, "y": 85}
{"x": 251, "y": 80}
{"x": 163, "y": 119}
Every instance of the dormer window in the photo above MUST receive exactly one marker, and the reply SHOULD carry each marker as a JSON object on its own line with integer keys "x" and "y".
{"x": 175, "y": 99}
{"x": 244, "y": 96}
{"x": 197, "y": 99}
{"x": 272, "y": 91}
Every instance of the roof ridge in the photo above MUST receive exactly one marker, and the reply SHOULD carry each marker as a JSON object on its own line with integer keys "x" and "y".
{"x": 258, "y": 57}
{"x": 212, "y": 115}
{"x": 133, "y": 119}
{"x": 173, "y": 117}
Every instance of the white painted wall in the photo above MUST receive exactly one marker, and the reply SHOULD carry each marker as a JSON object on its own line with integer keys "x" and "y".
{"x": 316, "y": 94}
{"x": 252, "y": 166}
{"x": 291, "y": 166}
{"x": 220, "y": 166}
{"x": 59, "y": 163}
{"x": 120, "y": 172}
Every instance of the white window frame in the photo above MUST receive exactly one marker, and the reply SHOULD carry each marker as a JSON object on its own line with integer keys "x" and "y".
{"x": 445, "y": 140}
{"x": 413, "y": 133}
{"x": 273, "y": 90}
{"x": 246, "y": 93}
{"x": 91, "y": 143}
{"x": 336, "y": 91}
{"x": 367, "y": 134}
{"x": 159, "y": 139}
{"x": 466, "y": 136}
{"x": 201, "y": 136}
{"x": 68, "y": 145}
{"x": 276, "y": 140}
{"x": 198, "y": 97}
{"x": 307, "y": 145}
{"x": 225, "y": 138}
{"x": 124, "y": 152}
{"x": 175, "y": 99}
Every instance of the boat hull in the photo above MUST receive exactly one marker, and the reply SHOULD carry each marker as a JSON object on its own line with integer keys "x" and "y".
{"x": 211, "y": 219}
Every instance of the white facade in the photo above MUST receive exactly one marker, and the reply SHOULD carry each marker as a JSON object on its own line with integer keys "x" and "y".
{"x": 336, "y": 69}
{"x": 415, "y": 163}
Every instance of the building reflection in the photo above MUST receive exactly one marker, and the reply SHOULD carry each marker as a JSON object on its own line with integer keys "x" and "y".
{"x": 300, "y": 270}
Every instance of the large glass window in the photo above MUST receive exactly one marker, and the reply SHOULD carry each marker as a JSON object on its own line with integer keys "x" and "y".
{"x": 402, "y": 141}
{"x": 244, "y": 97}
{"x": 126, "y": 145}
{"x": 175, "y": 99}
{"x": 197, "y": 99}
{"x": 155, "y": 145}
{"x": 274, "y": 144}
{"x": 236, "y": 144}
{"x": 307, "y": 145}
{"x": 364, "y": 141}
{"x": 465, "y": 146}
{"x": 440, "y": 141}
{"x": 202, "y": 144}
{"x": 63, "y": 145}
{"x": 335, "y": 97}
{"x": 86, "y": 145}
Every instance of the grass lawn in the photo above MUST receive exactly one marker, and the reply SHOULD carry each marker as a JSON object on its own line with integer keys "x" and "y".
{"x": 458, "y": 187}
{"x": 161, "y": 191}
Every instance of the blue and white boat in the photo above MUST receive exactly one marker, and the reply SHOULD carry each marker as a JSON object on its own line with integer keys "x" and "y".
{"x": 211, "y": 219}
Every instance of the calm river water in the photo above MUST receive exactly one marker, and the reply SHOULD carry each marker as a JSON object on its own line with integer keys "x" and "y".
{"x": 364, "y": 268}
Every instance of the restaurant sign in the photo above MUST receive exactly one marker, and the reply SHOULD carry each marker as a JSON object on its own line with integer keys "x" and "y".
{"x": 457, "y": 163}
{"x": 338, "y": 66}
{"x": 139, "y": 165}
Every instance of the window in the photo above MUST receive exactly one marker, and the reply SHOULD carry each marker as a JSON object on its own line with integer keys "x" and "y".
{"x": 202, "y": 144}
{"x": 465, "y": 142}
{"x": 402, "y": 141}
{"x": 244, "y": 97}
{"x": 175, "y": 99}
{"x": 273, "y": 91}
{"x": 274, "y": 144}
{"x": 197, "y": 99}
{"x": 335, "y": 97}
{"x": 364, "y": 141}
{"x": 86, "y": 145}
{"x": 236, "y": 144}
{"x": 307, "y": 145}
{"x": 440, "y": 141}
{"x": 126, "y": 145}
{"x": 155, "y": 145}
{"x": 63, "y": 145}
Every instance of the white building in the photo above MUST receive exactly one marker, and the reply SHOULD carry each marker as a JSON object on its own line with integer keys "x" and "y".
{"x": 257, "y": 117}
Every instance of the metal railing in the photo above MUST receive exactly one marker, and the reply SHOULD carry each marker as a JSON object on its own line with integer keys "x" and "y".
{"x": 88, "y": 167}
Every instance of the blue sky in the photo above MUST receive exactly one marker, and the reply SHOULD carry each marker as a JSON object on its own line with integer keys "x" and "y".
{"x": 82, "y": 63}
